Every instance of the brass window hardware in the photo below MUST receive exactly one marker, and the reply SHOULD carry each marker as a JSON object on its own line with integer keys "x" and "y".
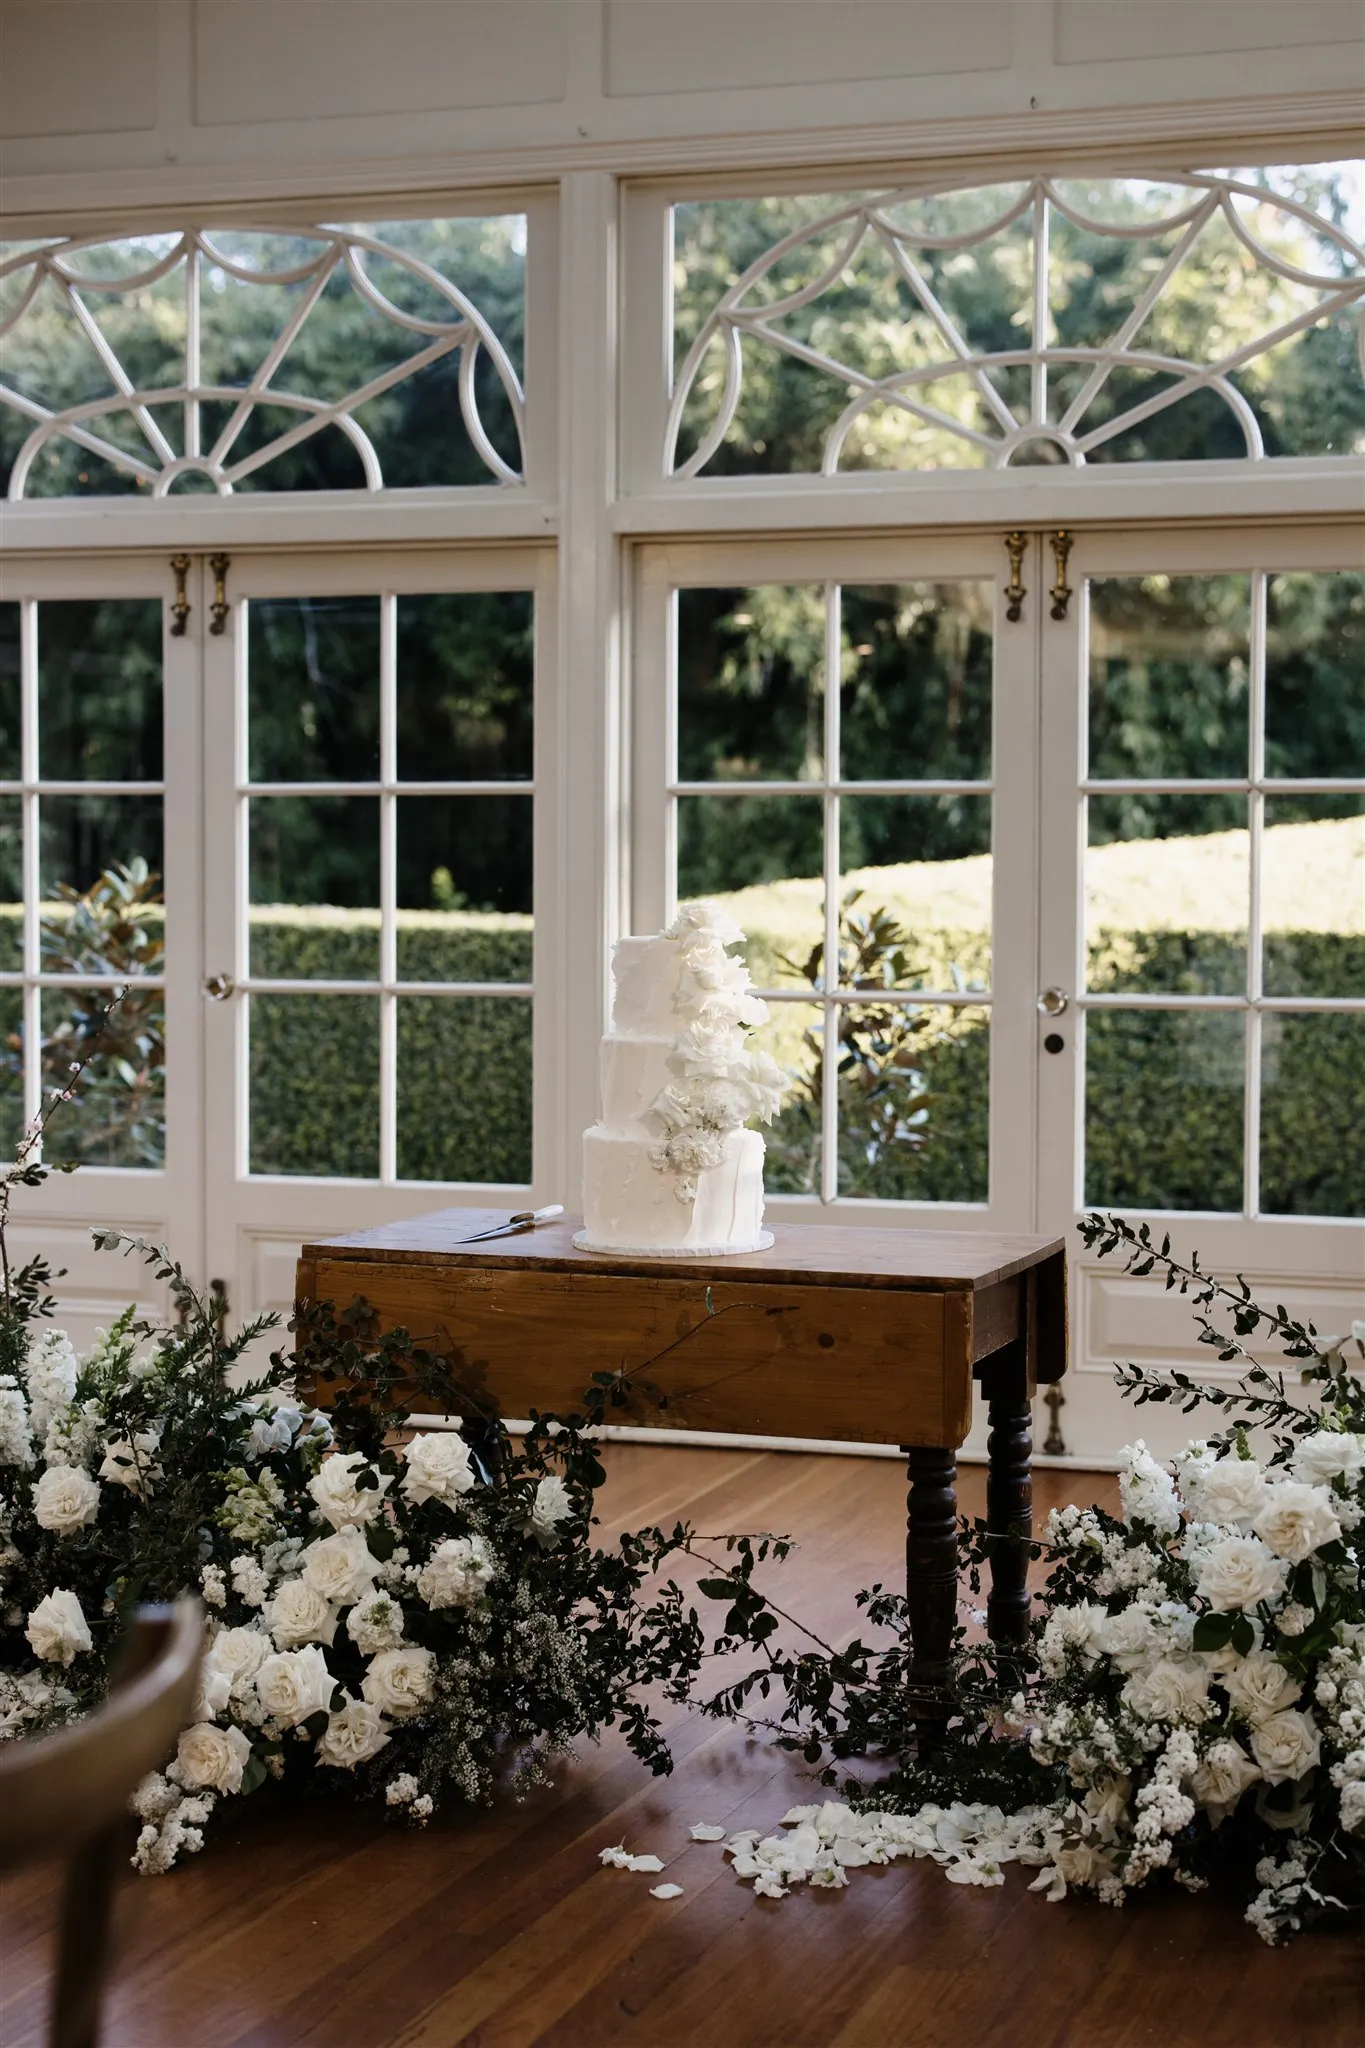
{"x": 1054, "y": 1443}
{"x": 180, "y": 609}
{"x": 1015, "y": 592}
{"x": 1060, "y": 592}
{"x": 218, "y": 610}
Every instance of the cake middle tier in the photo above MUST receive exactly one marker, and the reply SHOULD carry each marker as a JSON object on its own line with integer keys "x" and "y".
{"x": 634, "y": 1069}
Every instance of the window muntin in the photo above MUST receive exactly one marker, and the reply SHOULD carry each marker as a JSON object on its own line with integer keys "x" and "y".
{"x": 229, "y": 359}
{"x": 1066, "y": 320}
{"x": 1224, "y": 942}
{"x": 830, "y": 848}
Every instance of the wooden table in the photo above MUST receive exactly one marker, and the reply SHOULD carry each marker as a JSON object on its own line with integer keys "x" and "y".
{"x": 873, "y": 1336}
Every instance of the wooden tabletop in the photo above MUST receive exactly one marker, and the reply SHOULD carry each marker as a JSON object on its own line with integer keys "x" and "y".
{"x": 834, "y": 1254}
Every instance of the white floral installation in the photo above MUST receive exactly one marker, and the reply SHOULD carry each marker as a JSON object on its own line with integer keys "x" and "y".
{"x": 720, "y": 1082}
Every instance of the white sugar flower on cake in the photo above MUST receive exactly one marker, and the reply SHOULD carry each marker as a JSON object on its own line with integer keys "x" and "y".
{"x": 673, "y": 1166}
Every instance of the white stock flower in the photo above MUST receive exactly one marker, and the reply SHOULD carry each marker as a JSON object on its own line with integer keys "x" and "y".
{"x": 1286, "y": 1745}
{"x": 551, "y": 1506}
{"x": 51, "y": 1375}
{"x": 353, "y": 1736}
{"x": 1147, "y": 1491}
{"x": 57, "y": 1628}
{"x": 65, "y": 1500}
{"x": 1230, "y": 1492}
{"x": 293, "y": 1684}
{"x": 300, "y": 1614}
{"x": 1297, "y": 1520}
{"x": 16, "y": 1440}
{"x": 1329, "y": 1454}
{"x": 238, "y": 1653}
{"x": 1294, "y": 1618}
{"x": 131, "y": 1462}
{"x": 340, "y": 1567}
{"x": 1258, "y": 1686}
{"x": 400, "y": 1682}
{"x": 1239, "y": 1572}
{"x": 339, "y": 1499}
{"x": 1224, "y": 1772}
{"x": 437, "y": 1467}
{"x": 375, "y": 1625}
{"x": 1169, "y": 1689}
{"x": 456, "y": 1572}
{"x": 250, "y": 1581}
{"x": 212, "y": 1759}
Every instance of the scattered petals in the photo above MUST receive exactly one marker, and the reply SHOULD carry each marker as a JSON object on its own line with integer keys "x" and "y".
{"x": 620, "y": 1858}
{"x": 665, "y": 1891}
{"x": 701, "y": 1832}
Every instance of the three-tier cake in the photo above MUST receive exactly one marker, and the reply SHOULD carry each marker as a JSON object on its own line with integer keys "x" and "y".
{"x": 672, "y": 1167}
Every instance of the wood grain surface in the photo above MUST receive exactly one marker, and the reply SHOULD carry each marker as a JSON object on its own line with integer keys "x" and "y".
{"x": 320, "y": 1927}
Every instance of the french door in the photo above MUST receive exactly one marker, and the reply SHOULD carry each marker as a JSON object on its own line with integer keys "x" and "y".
{"x": 1080, "y": 821}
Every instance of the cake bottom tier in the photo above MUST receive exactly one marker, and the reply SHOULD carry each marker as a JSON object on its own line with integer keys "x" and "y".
{"x": 630, "y": 1204}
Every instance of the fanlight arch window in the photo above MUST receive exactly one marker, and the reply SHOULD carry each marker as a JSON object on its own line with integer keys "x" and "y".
{"x": 1072, "y": 320}
{"x": 250, "y": 358}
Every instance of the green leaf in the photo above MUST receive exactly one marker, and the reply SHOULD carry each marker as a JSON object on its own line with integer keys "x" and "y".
{"x": 1243, "y": 1635}
{"x": 1213, "y": 1631}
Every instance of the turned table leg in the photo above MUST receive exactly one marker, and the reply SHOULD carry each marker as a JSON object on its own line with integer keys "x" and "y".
{"x": 931, "y": 1583}
{"x": 1009, "y": 1507}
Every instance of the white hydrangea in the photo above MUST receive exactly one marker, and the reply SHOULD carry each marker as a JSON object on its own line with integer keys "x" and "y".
{"x": 375, "y": 1624}
{"x": 250, "y": 1581}
{"x": 456, "y": 1572}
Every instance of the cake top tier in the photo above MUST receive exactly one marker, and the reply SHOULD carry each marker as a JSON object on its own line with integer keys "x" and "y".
{"x": 665, "y": 982}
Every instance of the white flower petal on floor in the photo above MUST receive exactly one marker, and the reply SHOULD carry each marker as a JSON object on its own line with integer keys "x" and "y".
{"x": 666, "y": 1891}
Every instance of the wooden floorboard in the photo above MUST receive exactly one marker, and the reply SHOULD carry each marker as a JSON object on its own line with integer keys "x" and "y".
{"x": 307, "y": 1927}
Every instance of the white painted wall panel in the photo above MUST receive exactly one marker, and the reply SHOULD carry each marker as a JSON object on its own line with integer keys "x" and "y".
{"x": 287, "y": 60}
{"x": 653, "y": 46}
{"x": 1106, "y": 32}
{"x": 79, "y": 68}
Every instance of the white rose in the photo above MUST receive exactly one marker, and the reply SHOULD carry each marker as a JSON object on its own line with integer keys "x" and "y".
{"x": 1329, "y": 1454}
{"x": 215, "y": 1688}
{"x": 399, "y": 1682}
{"x": 238, "y": 1653}
{"x": 212, "y": 1759}
{"x": 1230, "y": 1492}
{"x": 340, "y": 1500}
{"x": 551, "y": 1506}
{"x": 1222, "y": 1777}
{"x": 293, "y": 1684}
{"x": 1126, "y": 1637}
{"x": 1147, "y": 1491}
{"x": 340, "y": 1567}
{"x": 1171, "y": 1689}
{"x": 131, "y": 1462}
{"x": 1286, "y": 1745}
{"x": 65, "y": 1499}
{"x": 438, "y": 1467}
{"x": 375, "y": 1625}
{"x": 1259, "y": 1686}
{"x": 352, "y": 1737}
{"x": 456, "y": 1572}
{"x": 1297, "y": 1520}
{"x": 1239, "y": 1572}
{"x": 57, "y": 1629}
{"x": 300, "y": 1614}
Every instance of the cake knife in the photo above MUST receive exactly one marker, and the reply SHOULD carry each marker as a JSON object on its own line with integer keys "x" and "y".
{"x": 524, "y": 1219}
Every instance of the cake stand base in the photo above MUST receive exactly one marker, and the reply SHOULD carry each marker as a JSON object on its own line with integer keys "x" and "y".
{"x": 762, "y": 1243}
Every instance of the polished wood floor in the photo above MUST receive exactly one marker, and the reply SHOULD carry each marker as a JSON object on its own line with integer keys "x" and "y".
{"x": 327, "y": 1928}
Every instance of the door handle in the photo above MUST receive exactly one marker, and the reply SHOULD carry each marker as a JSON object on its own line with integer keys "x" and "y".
{"x": 218, "y": 987}
{"x": 1053, "y": 1001}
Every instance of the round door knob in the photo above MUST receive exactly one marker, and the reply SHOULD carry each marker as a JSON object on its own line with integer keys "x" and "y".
{"x": 218, "y": 987}
{"x": 1053, "y": 1001}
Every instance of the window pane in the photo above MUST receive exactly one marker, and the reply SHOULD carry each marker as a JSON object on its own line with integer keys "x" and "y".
{"x": 314, "y": 1068}
{"x": 465, "y": 672}
{"x": 1312, "y": 1101}
{"x": 313, "y": 678}
{"x": 10, "y": 723}
{"x": 464, "y": 868}
{"x": 11, "y": 1069}
{"x": 1164, "y": 1109}
{"x": 99, "y": 690}
{"x": 1313, "y": 896}
{"x": 915, "y": 696}
{"x": 1167, "y": 894}
{"x": 83, "y": 837}
{"x": 11, "y": 883}
{"x": 914, "y": 1092}
{"x": 794, "y": 1035}
{"x": 464, "y": 1088}
{"x": 751, "y": 684}
{"x": 762, "y": 857}
{"x": 925, "y": 863}
{"x": 117, "y": 1115}
{"x": 1315, "y": 674}
{"x": 315, "y": 864}
{"x": 1169, "y": 675}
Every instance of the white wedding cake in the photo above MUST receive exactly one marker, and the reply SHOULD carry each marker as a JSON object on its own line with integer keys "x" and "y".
{"x": 672, "y": 1167}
